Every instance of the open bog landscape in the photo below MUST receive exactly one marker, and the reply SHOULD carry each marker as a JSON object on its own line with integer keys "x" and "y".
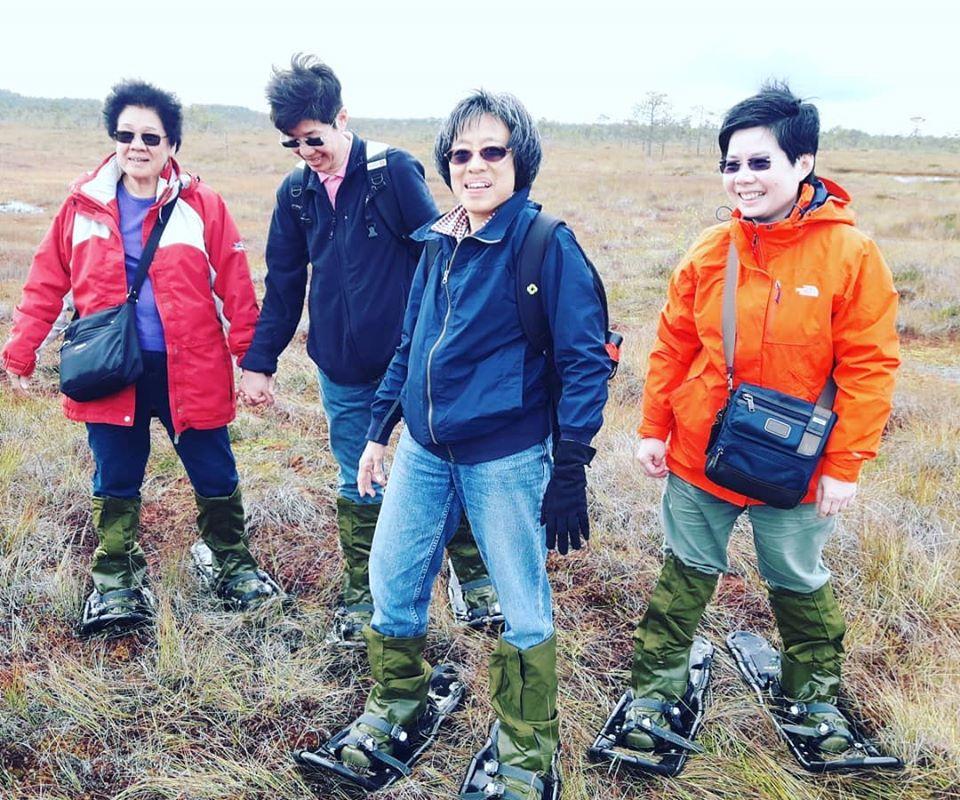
{"x": 209, "y": 705}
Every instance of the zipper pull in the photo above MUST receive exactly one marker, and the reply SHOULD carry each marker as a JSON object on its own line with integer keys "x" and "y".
{"x": 749, "y": 400}
{"x": 446, "y": 274}
{"x": 776, "y": 292}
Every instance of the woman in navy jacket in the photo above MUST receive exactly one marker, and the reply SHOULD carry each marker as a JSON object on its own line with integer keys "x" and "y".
{"x": 477, "y": 440}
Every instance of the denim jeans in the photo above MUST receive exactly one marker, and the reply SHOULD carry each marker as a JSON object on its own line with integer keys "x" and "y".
{"x": 789, "y": 542}
{"x": 422, "y": 505}
{"x": 347, "y": 409}
{"x": 120, "y": 452}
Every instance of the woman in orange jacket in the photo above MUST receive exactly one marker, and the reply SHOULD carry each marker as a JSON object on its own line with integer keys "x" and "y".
{"x": 813, "y": 295}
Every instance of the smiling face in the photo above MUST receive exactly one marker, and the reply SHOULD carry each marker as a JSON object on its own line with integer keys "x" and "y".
{"x": 329, "y": 157}
{"x": 141, "y": 164}
{"x": 482, "y": 186}
{"x": 763, "y": 195}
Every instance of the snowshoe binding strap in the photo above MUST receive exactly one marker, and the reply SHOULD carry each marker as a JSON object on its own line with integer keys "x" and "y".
{"x": 122, "y": 602}
{"x": 118, "y": 609}
{"x": 494, "y": 788}
{"x": 822, "y": 730}
{"x": 484, "y": 613}
{"x": 372, "y": 748}
{"x": 642, "y": 708}
{"x": 262, "y": 587}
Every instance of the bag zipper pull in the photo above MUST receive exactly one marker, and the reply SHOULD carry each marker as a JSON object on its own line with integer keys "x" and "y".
{"x": 749, "y": 400}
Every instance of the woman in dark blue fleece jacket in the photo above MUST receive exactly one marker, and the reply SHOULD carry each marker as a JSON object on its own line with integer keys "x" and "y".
{"x": 472, "y": 391}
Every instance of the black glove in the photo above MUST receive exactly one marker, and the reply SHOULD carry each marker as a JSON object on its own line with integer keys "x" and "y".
{"x": 564, "y": 509}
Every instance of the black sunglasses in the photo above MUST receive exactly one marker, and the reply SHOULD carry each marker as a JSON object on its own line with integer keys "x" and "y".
{"x": 310, "y": 141}
{"x": 729, "y": 166}
{"x": 126, "y": 137}
{"x": 491, "y": 154}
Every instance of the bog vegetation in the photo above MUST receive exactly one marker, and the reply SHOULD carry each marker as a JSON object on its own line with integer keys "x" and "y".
{"x": 209, "y": 705}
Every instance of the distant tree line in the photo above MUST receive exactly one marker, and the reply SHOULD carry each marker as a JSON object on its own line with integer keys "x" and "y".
{"x": 654, "y": 125}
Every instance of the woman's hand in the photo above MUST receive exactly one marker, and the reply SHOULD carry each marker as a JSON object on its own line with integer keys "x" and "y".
{"x": 256, "y": 388}
{"x": 652, "y": 455}
{"x": 834, "y": 495}
{"x": 19, "y": 383}
{"x": 371, "y": 469}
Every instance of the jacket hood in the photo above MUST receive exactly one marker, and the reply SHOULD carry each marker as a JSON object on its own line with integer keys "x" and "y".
{"x": 100, "y": 185}
{"x": 496, "y": 227}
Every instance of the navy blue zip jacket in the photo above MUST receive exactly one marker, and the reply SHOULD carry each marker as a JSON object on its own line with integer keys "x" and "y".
{"x": 465, "y": 378}
{"x": 358, "y": 285}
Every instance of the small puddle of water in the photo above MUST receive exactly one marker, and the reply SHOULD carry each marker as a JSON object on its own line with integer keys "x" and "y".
{"x": 16, "y": 207}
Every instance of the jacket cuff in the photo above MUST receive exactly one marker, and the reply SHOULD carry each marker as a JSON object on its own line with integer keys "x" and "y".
{"x": 652, "y": 430}
{"x": 380, "y": 432}
{"x": 251, "y": 363}
{"x": 843, "y": 467}
{"x": 21, "y": 368}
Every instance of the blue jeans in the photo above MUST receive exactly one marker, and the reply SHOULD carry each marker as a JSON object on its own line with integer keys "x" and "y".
{"x": 347, "y": 409}
{"x": 789, "y": 542}
{"x": 422, "y": 505}
{"x": 120, "y": 452}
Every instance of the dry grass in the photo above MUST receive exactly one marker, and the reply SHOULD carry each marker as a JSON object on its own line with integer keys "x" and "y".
{"x": 209, "y": 705}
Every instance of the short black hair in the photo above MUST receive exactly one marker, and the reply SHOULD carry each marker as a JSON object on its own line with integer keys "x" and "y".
{"x": 308, "y": 90}
{"x": 166, "y": 105}
{"x": 524, "y": 139}
{"x": 794, "y": 122}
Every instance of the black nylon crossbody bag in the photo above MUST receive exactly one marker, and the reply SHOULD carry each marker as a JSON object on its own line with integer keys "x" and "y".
{"x": 765, "y": 444}
{"x": 100, "y": 353}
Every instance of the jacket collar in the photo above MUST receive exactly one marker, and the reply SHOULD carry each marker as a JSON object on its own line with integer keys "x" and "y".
{"x": 100, "y": 185}
{"x": 820, "y": 202}
{"x": 496, "y": 227}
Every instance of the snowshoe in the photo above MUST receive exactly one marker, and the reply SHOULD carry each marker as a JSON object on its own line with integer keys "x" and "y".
{"x": 406, "y": 744}
{"x": 474, "y": 603}
{"x": 116, "y": 612}
{"x": 804, "y": 726}
{"x": 346, "y": 629}
{"x": 486, "y": 777}
{"x": 674, "y": 739}
{"x": 243, "y": 591}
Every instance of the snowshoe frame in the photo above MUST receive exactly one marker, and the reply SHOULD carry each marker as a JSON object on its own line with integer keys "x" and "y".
{"x": 759, "y": 665}
{"x": 669, "y": 757}
{"x": 446, "y": 692}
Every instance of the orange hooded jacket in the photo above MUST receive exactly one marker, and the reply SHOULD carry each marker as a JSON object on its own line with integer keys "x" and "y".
{"x": 813, "y": 292}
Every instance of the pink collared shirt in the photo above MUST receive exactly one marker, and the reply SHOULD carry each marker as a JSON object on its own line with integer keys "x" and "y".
{"x": 331, "y": 181}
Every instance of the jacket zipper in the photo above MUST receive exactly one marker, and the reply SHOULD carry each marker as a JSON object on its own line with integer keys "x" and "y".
{"x": 443, "y": 332}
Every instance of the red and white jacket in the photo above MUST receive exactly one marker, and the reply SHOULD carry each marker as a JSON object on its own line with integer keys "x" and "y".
{"x": 199, "y": 270}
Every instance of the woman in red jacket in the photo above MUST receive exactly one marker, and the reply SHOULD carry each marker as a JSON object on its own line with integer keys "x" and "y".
{"x": 199, "y": 271}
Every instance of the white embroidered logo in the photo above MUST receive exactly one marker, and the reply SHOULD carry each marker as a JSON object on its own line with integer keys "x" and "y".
{"x": 808, "y": 291}
{"x": 239, "y": 246}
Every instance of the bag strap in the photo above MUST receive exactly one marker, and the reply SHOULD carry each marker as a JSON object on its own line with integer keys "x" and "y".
{"x": 824, "y": 403}
{"x": 149, "y": 249}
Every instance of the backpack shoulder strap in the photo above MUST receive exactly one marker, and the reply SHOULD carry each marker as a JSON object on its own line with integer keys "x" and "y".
{"x": 297, "y": 181}
{"x": 533, "y": 315}
{"x": 533, "y": 250}
{"x": 379, "y": 186}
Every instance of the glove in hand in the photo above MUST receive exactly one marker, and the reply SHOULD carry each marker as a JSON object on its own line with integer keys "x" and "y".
{"x": 564, "y": 509}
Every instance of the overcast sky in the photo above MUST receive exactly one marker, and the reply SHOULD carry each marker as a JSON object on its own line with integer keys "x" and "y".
{"x": 870, "y": 65}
